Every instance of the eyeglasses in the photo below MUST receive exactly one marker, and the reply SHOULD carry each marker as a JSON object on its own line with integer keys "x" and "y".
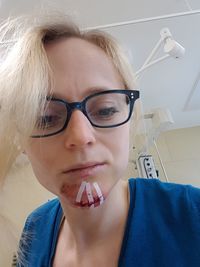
{"x": 105, "y": 109}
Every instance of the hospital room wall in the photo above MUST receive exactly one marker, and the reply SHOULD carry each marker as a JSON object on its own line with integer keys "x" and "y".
{"x": 180, "y": 153}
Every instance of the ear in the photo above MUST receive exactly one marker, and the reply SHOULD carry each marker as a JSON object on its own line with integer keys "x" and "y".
{"x": 22, "y": 160}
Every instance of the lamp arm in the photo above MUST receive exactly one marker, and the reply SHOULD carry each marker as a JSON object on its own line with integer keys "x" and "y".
{"x": 154, "y": 50}
{"x": 150, "y": 64}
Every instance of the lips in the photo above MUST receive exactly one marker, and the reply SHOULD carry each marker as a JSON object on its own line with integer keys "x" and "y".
{"x": 83, "y": 171}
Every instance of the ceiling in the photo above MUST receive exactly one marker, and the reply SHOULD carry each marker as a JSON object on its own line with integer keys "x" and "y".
{"x": 172, "y": 83}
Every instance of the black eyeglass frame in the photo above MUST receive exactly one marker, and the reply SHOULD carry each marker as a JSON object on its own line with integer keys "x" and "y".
{"x": 132, "y": 94}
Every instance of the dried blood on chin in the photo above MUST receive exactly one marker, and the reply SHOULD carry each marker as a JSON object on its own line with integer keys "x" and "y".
{"x": 70, "y": 193}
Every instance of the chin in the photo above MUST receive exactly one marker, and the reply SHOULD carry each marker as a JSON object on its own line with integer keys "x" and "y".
{"x": 87, "y": 194}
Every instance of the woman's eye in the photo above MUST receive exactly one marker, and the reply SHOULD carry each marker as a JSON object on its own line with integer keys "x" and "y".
{"x": 47, "y": 121}
{"x": 105, "y": 112}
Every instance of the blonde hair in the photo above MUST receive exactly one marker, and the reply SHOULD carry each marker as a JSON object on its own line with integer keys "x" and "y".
{"x": 25, "y": 75}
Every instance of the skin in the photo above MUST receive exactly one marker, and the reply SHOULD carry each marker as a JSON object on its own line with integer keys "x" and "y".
{"x": 88, "y": 236}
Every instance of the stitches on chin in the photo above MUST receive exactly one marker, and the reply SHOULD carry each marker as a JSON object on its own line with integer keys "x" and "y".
{"x": 87, "y": 188}
{"x": 99, "y": 193}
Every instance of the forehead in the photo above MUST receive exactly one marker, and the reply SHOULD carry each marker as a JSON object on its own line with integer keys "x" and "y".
{"x": 78, "y": 64}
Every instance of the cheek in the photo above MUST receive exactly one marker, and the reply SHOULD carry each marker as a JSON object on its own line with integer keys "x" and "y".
{"x": 41, "y": 156}
{"x": 43, "y": 164}
{"x": 119, "y": 147}
{"x": 120, "y": 141}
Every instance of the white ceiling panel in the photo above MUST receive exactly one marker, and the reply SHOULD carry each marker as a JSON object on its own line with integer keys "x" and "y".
{"x": 95, "y": 12}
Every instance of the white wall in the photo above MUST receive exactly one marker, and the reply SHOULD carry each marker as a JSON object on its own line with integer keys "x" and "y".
{"x": 180, "y": 153}
{"x": 19, "y": 196}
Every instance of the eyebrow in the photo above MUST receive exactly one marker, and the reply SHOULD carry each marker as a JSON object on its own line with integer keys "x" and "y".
{"x": 88, "y": 91}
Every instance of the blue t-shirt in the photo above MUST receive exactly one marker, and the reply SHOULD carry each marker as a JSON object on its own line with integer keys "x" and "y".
{"x": 162, "y": 229}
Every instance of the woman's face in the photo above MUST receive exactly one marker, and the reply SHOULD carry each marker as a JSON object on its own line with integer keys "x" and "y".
{"x": 80, "y": 69}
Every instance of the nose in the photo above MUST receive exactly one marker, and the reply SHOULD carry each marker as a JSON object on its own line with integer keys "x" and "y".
{"x": 79, "y": 131}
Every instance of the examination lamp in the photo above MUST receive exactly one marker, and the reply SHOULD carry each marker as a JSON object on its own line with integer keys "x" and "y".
{"x": 171, "y": 48}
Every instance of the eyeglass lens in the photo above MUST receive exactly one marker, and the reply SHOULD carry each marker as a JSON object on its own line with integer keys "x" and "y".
{"x": 102, "y": 110}
{"x": 107, "y": 109}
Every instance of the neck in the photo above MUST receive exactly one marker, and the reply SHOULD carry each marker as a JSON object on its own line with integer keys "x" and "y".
{"x": 87, "y": 227}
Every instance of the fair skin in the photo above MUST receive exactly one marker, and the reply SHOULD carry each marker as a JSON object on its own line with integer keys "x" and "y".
{"x": 87, "y": 236}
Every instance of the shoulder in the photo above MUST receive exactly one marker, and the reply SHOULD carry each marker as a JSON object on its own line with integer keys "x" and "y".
{"x": 170, "y": 189}
{"x": 44, "y": 212}
{"x": 47, "y": 208}
{"x": 38, "y": 234}
{"x": 163, "y": 224}
{"x": 43, "y": 218}
{"x": 165, "y": 196}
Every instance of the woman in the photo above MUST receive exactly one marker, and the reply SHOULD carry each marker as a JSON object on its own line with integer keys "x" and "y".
{"x": 67, "y": 98}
